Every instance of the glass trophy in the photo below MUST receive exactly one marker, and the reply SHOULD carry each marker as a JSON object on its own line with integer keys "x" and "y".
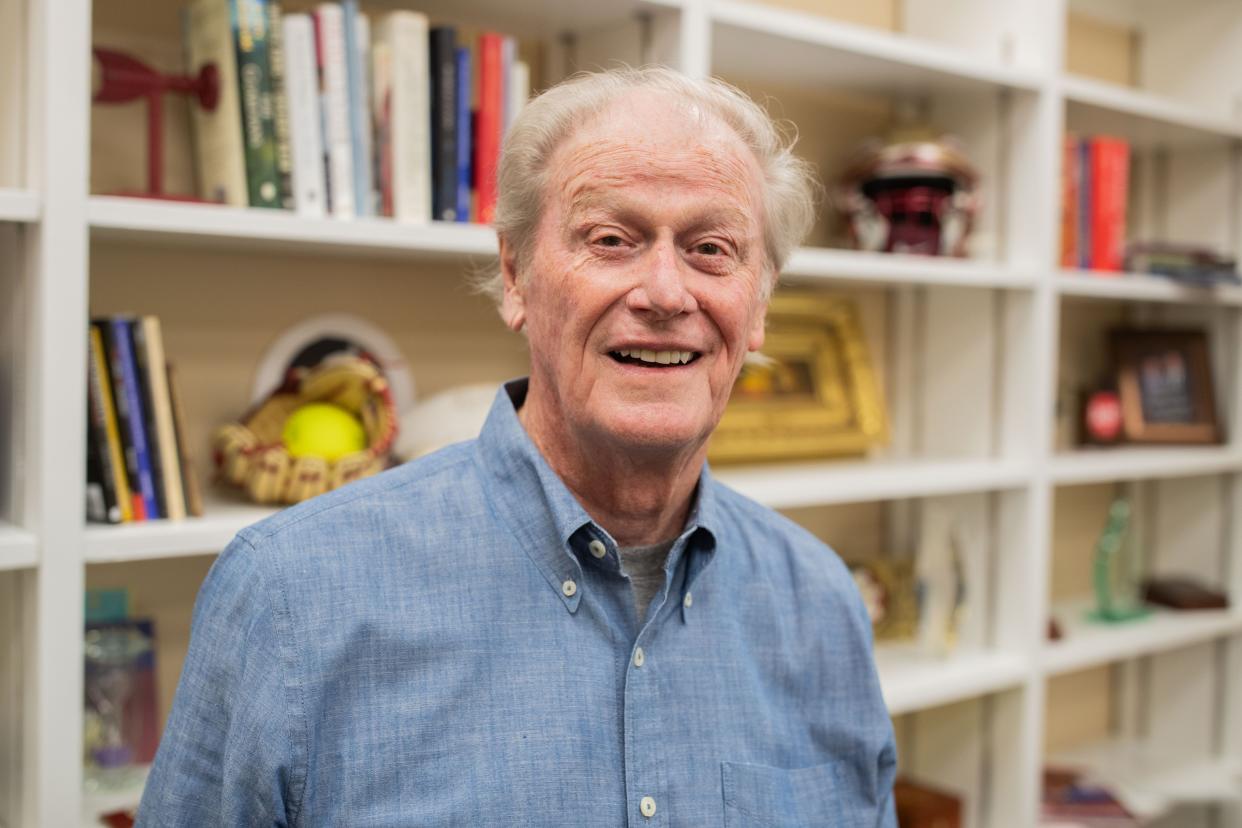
{"x": 1116, "y": 573}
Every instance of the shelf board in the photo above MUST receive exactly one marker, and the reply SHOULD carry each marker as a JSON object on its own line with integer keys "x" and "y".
{"x": 115, "y": 218}
{"x": 1150, "y": 781}
{"x": 150, "y": 540}
{"x": 19, "y": 205}
{"x": 1087, "y": 644}
{"x": 18, "y": 548}
{"x": 912, "y": 681}
{"x": 1103, "y": 465}
{"x": 1142, "y": 287}
{"x": 815, "y": 263}
{"x": 790, "y": 485}
{"x": 760, "y": 43}
{"x": 1144, "y": 119}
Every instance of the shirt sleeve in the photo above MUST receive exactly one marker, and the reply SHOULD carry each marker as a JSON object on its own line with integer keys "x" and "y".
{"x": 228, "y": 753}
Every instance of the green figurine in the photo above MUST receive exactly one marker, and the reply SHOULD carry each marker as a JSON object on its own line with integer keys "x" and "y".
{"x": 1116, "y": 578}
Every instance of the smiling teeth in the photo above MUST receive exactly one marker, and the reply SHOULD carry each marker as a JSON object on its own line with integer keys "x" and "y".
{"x": 659, "y": 357}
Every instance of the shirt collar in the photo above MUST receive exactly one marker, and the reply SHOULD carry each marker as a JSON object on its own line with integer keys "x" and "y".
{"x": 546, "y": 519}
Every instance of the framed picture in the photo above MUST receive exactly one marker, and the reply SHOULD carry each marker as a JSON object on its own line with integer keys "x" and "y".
{"x": 889, "y": 589}
{"x": 812, "y": 392}
{"x": 1165, "y": 382}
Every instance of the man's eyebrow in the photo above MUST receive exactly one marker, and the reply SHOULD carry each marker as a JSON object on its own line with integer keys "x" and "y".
{"x": 590, "y": 198}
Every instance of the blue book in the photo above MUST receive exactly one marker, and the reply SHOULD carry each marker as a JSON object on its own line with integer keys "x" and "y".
{"x": 126, "y": 366}
{"x": 359, "y": 108}
{"x": 464, "y": 143}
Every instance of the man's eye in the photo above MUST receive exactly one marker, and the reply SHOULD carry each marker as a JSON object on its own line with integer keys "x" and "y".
{"x": 610, "y": 241}
{"x": 709, "y": 249}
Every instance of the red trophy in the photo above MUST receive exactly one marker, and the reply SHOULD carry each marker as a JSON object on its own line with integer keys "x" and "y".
{"x": 122, "y": 79}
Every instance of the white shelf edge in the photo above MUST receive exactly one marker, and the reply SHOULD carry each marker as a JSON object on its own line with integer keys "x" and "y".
{"x": 18, "y": 548}
{"x": 19, "y": 205}
{"x": 1138, "y": 104}
{"x": 860, "y": 40}
{"x": 790, "y": 485}
{"x": 1149, "y": 780}
{"x": 813, "y": 263}
{"x": 159, "y": 539}
{"x": 1127, "y": 463}
{"x": 1142, "y": 287}
{"x": 116, "y": 217}
{"x": 911, "y": 682}
{"x": 1086, "y": 645}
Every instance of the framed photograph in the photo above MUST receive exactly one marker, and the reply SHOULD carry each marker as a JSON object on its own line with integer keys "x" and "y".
{"x": 812, "y": 392}
{"x": 889, "y": 589}
{"x": 1165, "y": 382}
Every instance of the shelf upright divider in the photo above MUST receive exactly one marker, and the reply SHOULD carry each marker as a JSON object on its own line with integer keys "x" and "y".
{"x": 57, "y": 156}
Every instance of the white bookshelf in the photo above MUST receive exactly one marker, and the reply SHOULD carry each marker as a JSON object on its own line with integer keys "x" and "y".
{"x": 18, "y": 205}
{"x": 971, "y": 355}
{"x": 18, "y": 549}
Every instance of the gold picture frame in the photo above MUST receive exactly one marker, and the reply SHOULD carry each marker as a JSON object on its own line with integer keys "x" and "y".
{"x": 812, "y": 393}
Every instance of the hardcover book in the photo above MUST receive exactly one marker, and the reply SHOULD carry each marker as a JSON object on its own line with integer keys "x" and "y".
{"x": 250, "y": 21}
{"x": 219, "y": 154}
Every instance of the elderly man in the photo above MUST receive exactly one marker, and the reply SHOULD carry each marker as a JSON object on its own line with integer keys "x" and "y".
{"x": 566, "y": 621}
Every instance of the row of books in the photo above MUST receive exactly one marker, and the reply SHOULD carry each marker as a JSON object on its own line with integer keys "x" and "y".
{"x": 1095, "y": 178}
{"x": 138, "y": 465}
{"x": 322, "y": 114}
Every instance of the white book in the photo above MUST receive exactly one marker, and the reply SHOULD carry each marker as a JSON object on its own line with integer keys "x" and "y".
{"x": 302, "y": 93}
{"x": 334, "y": 92}
{"x": 404, "y": 35}
{"x": 519, "y": 91}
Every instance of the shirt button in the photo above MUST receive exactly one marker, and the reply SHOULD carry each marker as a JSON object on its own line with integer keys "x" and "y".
{"x": 687, "y": 601}
{"x": 639, "y": 658}
{"x": 597, "y": 548}
{"x": 647, "y": 806}
{"x": 569, "y": 588}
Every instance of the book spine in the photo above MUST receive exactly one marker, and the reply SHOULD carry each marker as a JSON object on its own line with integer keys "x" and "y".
{"x": 1069, "y": 202}
{"x": 1085, "y": 185}
{"x": 219, "y": 153}
{"x": 302, "y": 95}
{"x": 280, "y": 103}
{"x": 406, "y": 34}
{"x": 155, "y": 454}
{"x": 1110, "y": 165}
{"x": 115, "y": 465}
{"x": 334, "y": 87}
{"x": 508, "y": 54}
{"x": 519, "y": 91}
{"x": 104, "y": 505}
{"x": 381, "y": 117}
{"x": 489, "y": 123}
{"x": 443, "y": 48}
{"x": 123, "y": 366}
{"x": 189, "y": 481}
{"x": 255, "y": 87}
{"x": 464, "y": 132}
{"x": 166, "y": 437}
{"x": 357, "y": 46}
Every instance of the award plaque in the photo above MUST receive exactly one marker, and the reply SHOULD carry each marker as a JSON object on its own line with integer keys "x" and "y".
{"x": 812, "y": 393}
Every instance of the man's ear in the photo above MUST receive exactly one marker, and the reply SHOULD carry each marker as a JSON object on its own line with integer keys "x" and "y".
{"x": 512, "y": 303}
{"x": 754, "y": 340}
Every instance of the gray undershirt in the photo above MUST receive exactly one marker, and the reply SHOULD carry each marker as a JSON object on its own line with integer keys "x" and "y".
{"x": 645, "y": 566}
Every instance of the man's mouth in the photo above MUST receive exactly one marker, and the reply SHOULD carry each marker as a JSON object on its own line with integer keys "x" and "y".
{"x": 654, "y": 359}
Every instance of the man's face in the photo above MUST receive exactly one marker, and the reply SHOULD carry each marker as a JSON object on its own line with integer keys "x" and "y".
{"x": 643, "y": 292}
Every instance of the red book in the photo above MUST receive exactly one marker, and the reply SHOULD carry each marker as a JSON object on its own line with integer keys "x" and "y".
{"x": 488, "y": 123}
{"x": 1071, "y": 173}
{"x": 1110, "y": 181}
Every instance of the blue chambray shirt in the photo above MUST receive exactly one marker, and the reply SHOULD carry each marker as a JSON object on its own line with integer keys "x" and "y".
{"x": 442, "y": 645}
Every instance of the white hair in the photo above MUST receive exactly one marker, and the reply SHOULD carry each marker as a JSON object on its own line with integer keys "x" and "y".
{"x": 790, "y": 186}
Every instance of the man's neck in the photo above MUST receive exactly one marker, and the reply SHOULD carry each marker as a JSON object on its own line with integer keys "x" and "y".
{"x": 640, "y": 499}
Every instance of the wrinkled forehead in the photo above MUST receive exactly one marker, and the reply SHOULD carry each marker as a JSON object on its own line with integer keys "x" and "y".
{"x": 652, "y": 137}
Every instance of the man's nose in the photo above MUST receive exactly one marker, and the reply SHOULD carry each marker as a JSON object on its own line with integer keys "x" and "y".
{"x": 661, "y": 291}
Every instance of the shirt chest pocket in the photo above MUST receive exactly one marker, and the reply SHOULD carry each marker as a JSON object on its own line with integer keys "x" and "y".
{"x": 761, "y": 796}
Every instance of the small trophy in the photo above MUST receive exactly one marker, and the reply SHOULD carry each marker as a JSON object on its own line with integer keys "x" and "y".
{"x": 120, "y": 78}
{"x": 1117, "y": 593}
